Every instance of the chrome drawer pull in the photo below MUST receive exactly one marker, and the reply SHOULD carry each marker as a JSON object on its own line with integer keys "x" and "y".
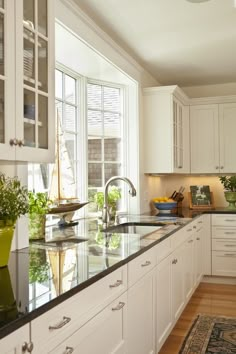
{"x": 119, "y": 306}
{"x": 198, "y": 239}
{"x": 230, "y": 254}
{"x": 230, "y": 220}
{"x": 229, "y": 245}
{"x": 230, "y": 233}
{"x": 190, "y": 241}
{"x": 117, "y": 283}
{"x": 147, "y": 263}
{"x": 61, "y": 324}
{"x": 194, "y": 227}
{"x": 69, "y": 350}
{"x": 199, "y": 222}
{"x": 189, "y": 230}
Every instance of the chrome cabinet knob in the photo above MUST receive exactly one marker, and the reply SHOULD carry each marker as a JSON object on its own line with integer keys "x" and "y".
{"x": 27, "y": 347}
{"x": 21, "y": 143}
{"x": 13, "y": 142}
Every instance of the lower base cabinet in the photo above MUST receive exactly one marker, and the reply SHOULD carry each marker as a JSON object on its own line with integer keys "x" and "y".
{"x": 16, "y": 342}
{"x": 140, "y": 334}
{"x": 103, "y": 334}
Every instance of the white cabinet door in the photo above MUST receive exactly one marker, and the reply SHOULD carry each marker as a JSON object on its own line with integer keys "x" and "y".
{"x": 227, "y": 128}
{"x": 14, "y": 342}
{"x": 188, "y": 267}
{"x": 105, "y": 333}
{"x": 163, "y": 300}
{"x": 204, "y": 139}
{"x": 198, "y": 251}
{"x": 27, "y": 118}
{"x": 178, "y": 299}
{"x": 166, "y": 132}
{"x": 140, "y": 333}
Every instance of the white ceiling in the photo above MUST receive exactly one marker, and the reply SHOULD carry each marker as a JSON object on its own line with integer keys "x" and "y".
{"x": 178, "y": 42}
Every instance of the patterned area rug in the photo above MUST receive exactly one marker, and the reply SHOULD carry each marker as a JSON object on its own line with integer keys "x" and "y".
{"x": 211, "y": 335}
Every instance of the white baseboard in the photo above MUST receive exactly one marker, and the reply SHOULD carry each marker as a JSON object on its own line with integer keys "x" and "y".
{"x": 218, "y": 280}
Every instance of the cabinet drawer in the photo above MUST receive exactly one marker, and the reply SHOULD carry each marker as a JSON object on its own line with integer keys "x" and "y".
{"x": 224, "y": 232}
{"x": 74, "y": 312}
{"x": 223, "y": 245}
{"x": 180, "y": 236}
{"x": 104, "y": 333}
{"x": 141, "y": 265}
{"x": 224, "y": 220}
{"x": 224, "y": 263}
{"x": 164, "y": 248}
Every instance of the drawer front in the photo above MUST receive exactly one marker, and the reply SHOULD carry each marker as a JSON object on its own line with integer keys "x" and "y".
{"x": 141, "y": 265}
{"x": 224, "y": 219}
{"x": 224, "y": 263}
{"x": 164, "y": 248}
{"x": 53, "y": 327}
{"x": 224, "y": 232}
{"x": 180, "y": 236}
{"x": 224, "y": 245}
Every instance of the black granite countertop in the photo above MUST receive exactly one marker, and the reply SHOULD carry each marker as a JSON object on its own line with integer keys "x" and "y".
{"x": 43, "y": 275}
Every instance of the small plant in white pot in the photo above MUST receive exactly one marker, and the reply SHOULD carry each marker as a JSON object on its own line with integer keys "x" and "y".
{"x": 229, "y": 183}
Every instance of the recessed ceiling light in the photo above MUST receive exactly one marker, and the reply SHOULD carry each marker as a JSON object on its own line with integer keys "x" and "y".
{"x": 197, "y": 1}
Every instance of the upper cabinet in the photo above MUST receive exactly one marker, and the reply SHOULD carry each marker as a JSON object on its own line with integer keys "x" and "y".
{"x": 166, "y": 130}
{"x": 212, "y": 137}
{"x": 27, "y": 118}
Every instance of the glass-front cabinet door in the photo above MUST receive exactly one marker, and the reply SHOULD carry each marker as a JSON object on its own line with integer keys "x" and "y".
{"x": 35, "y": 81}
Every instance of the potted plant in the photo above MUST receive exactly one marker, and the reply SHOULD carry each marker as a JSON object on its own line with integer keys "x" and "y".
{"x": 13, "y": 203}
{"x": 229, "y": 183}
{"x": 38, "y": 208}
{"x": 114, "y": 194}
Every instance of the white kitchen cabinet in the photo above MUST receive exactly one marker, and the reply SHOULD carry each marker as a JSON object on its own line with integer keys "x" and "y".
{"x": 224, "y": 245}
{"x": 17, "y": 342}
{"x": 27, "y": 123}
{"x": 166, "y": 130}
{"x": 163, "y": 316}
{"x": 198, "y": 252}
{"x": 178, "y": 299}
{"x": 140, "y": 334}
{"x": 105, "y": 333}
{"x": 212, "y": 138}
{"x": 189, "y": 266}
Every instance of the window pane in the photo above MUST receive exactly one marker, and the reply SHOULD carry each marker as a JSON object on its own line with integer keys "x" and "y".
{"x": 43, "y": 65}
{"x": 29, "y": 118}
{"x": 94, "y": 149}
{"x": 94, "y": 96}
{"x": 69, "y": 89}
{"x": 42, "y": 17}
{"x": 111, "y": 99}
{"x": 112, "y": 149}
{"x": 69, "y": 118}
{"x": 112, "y": 126}
{"x": 58, "y": 86}
{"x": 43, "y": 122}
{"x": 94, "y": 123}
{"x": 29, "y": 11}
{"x": 29, "y": 57}
{"x": 71, "y": 145}
{"x": 95, "y": 175}
{"x": 111, "y": 169}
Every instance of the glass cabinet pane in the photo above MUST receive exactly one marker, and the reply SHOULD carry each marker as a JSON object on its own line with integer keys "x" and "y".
{"x": 42, "y": 17}
{"x": 42, "y": 65}
{"x": 2, "y": 127}
{"x": 2, "y": 4}
{"x": 42, "y": 122}
{"x": 29, "y": 118}
{"x": 70, "y": 89}
{"x": 29, "y": 58}
{"x": 1, "y": 44}
{"x": 29, "y": 13}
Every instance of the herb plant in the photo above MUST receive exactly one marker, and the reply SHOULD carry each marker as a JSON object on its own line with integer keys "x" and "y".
{"x": 229, "y": 183}
{"x": 114, "y": 194}
{"x": 38, "y": 203}
{"x": 13, "y": 199}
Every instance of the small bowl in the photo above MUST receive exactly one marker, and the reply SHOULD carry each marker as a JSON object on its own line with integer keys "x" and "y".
{"x": 165, "y": 206}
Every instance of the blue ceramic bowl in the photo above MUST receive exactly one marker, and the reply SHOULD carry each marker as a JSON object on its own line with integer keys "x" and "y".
{"x": 166, "y": 206}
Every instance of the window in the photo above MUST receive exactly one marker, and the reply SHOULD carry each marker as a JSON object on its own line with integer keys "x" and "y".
{"x": 105, "y": 137}
{"x": 101, "y": 137}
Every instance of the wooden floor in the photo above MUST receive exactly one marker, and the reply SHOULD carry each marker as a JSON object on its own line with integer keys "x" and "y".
{"x": 214, "y": 299}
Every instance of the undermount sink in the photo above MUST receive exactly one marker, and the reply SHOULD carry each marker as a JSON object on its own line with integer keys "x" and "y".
{"x": 134, "y": 228}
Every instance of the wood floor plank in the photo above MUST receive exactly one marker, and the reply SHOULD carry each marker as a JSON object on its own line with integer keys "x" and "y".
{"x": 212, "y": 299}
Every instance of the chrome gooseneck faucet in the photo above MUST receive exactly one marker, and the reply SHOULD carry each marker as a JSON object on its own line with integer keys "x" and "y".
{"x": 132, "y": 191}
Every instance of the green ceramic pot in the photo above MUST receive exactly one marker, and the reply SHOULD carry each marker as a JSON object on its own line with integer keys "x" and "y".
{"x": 231, "y": 199}
{"x": 6, "y": 236}
{"x": 8, "y": 308}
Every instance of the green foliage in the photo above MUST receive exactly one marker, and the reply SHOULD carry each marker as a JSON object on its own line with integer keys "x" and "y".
{"x": 39, "y": 203}
{"x": 13, "y": 199}
{"x": 229, "y": 183}
{"x": 114, "y": 195}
